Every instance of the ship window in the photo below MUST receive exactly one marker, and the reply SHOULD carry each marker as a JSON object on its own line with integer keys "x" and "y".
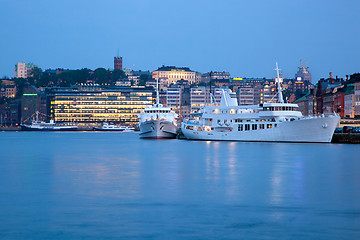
{"x": 261, "y": 126}
{"x": 269, "y": 126}
{"x": 240, "y": 127}
{"x": 254, "y": 127}
{"x": 283, "y": 108}
{"x": 247, "y": 127}
{"x": 275, "y": 125}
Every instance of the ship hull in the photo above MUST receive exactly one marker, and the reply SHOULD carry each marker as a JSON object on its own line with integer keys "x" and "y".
{"x": 108, "y": 129}
{"x": 315, "y": 130}
{"x": 157, "y": 129}
{"x": 47, "y": 129}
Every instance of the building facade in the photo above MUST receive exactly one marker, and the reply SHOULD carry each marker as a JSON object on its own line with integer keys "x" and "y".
{"x": 349, "y": 101}
{"x": 173, "y": 74}
{"x": 200, "y": 96}
{"x": 32, "y": 101}
{"x": 89, "y": 106}
{"x": 178, "y": 98}
{"x": 118, "y": 63}
{"x": 20, "y": 70}
{"x": 246, "y": 96}
{"x": 23, "y": 70}
{"x": 173, "y": 98}
{"x": 357, "y": 99}
{"x": 215, "y": 76}
{"x": 303, "y": 75}
{"x": 8, "y": 91}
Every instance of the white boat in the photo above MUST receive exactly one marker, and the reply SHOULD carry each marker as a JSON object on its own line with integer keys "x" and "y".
{"x": 127, "y": 129}
{"x": 269, "y": 122}
{"x": 158, "y": 121}
{"x": 37, "y": 125}
{"x": 112, "y": 127}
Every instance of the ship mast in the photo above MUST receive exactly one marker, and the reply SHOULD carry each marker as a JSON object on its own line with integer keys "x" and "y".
{"x": 157, "y": 89}
{"x": 281, "y": 100}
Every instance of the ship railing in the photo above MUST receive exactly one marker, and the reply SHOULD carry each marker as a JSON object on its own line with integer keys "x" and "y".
{"x": 323, "y": 115}
{"x": 190, "y": 121}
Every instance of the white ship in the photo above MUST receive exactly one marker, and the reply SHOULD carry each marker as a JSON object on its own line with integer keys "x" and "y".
{"x": 37, "y": 125}
{"x": 112, "y": 127}
{"x": 158, "y": 121}
{"x": 269, "y": 122}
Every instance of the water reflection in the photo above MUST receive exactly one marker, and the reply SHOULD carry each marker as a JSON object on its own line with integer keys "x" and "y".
{"x": 125, "y": 187}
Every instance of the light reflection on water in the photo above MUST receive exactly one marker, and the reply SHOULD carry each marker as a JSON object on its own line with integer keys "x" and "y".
{"x": 101, "y": 185}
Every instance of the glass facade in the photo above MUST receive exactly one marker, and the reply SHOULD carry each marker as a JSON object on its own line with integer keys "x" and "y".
{"x": 120, "y": 105}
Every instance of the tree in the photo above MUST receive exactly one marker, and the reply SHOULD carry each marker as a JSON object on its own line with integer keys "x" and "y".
{"x": 36, "y": 73}
{"x": 117, "y": 75}
{"x": 143, "y": 79}
{"x": 19, "y": 82}
{"x": 101, "y": 76}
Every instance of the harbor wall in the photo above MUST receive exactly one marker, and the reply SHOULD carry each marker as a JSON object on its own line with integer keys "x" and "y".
{"x": 346, "y": 138}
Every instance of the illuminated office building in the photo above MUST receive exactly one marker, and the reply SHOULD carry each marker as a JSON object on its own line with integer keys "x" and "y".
{"x": 91, "y": 105}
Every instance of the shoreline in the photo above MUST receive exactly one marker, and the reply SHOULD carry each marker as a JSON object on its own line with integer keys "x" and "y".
{"x": 347, "y": 138}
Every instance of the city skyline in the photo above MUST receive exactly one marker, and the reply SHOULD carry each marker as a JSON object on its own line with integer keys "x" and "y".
{"x": 243, "y": 38}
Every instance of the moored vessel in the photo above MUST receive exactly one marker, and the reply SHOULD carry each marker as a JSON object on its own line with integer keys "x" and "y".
{"x": 270, "y": 122}
{"x": 105, "y": 126}
{"x": 157, "y": 121}
{"x": 37, "y": 125}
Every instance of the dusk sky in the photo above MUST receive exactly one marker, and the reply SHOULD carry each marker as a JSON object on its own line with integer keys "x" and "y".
{"x": 244, "y": 38}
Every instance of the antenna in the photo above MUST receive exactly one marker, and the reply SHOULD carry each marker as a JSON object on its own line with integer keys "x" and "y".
{"x": 281, "y": 100}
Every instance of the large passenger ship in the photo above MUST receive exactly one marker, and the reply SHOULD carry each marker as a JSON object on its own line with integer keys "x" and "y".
{"x": 270, "y": 122}
{"x": 158, "y": 121}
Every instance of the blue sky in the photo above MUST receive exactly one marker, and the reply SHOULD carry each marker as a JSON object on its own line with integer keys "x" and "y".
{"x": 242, "y": 37}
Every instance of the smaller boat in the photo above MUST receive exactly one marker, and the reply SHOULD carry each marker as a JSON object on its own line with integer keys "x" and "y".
{"x": 37, "y": 125}
{"x": 112, "y": 127}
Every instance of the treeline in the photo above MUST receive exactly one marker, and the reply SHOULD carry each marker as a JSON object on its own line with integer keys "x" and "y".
{"x": 66, "y": 78}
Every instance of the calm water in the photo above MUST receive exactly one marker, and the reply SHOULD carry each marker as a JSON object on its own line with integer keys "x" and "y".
{"x": 114, "y": 185}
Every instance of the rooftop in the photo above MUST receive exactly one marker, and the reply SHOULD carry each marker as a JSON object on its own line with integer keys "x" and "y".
{"x": 173, "y": 68}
